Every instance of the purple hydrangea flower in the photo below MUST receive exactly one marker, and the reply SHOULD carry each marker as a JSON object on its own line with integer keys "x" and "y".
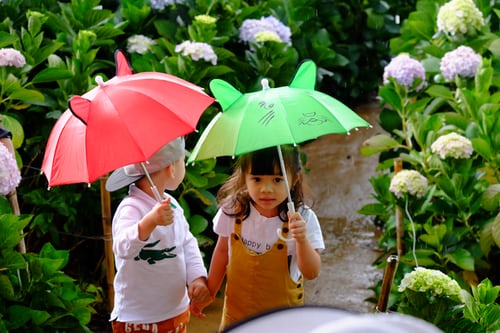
{"x": 161, "y": 4}
{"x": 11, "y": 57}
{"x": 462, "y": 61}
{"x": 405, "y": 71}
{"x": 251, "y": 27}
{"x": 10, "y": 176}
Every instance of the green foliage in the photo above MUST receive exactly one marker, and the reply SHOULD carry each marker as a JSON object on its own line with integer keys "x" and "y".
{"x": 35, "y": 294}
{"x": 68, "y": 43}
{"x": 454, "y": 226}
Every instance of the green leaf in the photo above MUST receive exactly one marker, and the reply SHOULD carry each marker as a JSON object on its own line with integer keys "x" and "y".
{"x": 28, "y": 96}
{"x": 377, "y": 144}
{"x": 18, "y": 316}
{"x": 52, "y": 74}
{"x": 6, "y": 288}
{"x": 440, "y": 91}
{"x": 462, "y": 258}
{"x": 197, "y": 224}
{"x": 390, "y": 96}
{"x": 491, "y": 198}
{"x": 7, "y": 39}
{"x": 495, "y": 229}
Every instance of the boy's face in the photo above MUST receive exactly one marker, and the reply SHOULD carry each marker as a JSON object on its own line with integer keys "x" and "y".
{"x": 267, "y": 191}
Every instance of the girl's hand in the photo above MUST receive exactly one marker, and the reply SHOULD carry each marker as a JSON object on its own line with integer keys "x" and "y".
{"x": 297, "y": 227}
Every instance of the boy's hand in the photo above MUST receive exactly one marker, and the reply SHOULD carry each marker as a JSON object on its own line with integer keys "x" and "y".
{"x": 163, "y": 213}
{"x": 200, "y": 296}
{"x": 297, "y": 227}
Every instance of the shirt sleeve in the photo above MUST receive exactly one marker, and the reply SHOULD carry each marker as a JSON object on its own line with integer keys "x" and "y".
{"x": 223, "y": 224}
{"x": 314, "y": 233}
{"x": 195, "y": 266}
{"x": 126, "y": 242}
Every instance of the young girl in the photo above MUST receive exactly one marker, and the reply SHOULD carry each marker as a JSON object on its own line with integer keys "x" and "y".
{"x": 262, "y": 271}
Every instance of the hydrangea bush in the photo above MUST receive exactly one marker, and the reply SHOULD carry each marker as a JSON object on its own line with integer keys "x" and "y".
{"x": 448, "y": 132}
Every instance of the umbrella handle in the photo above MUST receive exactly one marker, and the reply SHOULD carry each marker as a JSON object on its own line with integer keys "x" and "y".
{"x": 291, "y": 209}
{"x": 153, "y": 186}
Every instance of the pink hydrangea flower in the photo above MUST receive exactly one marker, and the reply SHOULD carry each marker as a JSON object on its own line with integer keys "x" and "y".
{"x": 11, "y": 57}
{"x": 10, "y": 176}
{"x": 405, "y": 71}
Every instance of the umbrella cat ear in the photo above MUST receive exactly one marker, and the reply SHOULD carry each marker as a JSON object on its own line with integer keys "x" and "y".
{"x": 224, "y": 92}
{"x": 305, "y": 77}
{"x": 80, "y": 108}
{"x": 122, "y": 66}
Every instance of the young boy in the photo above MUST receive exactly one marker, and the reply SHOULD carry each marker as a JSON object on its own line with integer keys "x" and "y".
{"x": 159, "y": 266}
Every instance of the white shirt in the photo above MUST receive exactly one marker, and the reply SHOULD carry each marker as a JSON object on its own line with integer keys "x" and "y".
{"x": 259, "y": 233}
{"x": 151, "y": 277}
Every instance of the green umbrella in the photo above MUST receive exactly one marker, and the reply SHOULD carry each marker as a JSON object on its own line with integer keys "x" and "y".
{"x": 272, "y": 117}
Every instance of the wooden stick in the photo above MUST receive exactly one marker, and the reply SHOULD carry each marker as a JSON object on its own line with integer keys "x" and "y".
{"x": 400, "y": 229}
{"x": 108, "y": 241}
{"x": 385, "y": 292}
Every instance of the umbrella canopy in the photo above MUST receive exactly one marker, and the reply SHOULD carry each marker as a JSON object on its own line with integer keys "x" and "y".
{"x": 272, "y": 117}
{"x": 122, "y": 121}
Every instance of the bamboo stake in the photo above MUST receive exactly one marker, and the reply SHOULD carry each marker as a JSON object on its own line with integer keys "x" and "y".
{"x": 398, "y": 166}
{"x": 108, "y": 241}
{"x": 390, "y": 271}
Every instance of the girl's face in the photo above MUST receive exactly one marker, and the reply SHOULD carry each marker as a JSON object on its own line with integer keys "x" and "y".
{"x": 267, "y": 191}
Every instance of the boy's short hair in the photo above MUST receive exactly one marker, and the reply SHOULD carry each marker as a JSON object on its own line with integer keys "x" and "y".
{"x": 168, "y": 154}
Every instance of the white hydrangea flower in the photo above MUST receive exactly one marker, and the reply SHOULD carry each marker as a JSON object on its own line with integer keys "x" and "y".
{"x": 139, "y": 44}
{"x": 10, "y": 176}
{"x": 452, "y": 145}
{"x": 405, "y": 71}
{"x": 408, "y": 181}
{"x": 251, "y": 27}
{"x": 267, "y": 36}
{"x": 462, "y": 61}
{"x": 439, "y": 284}
{"x": 197, "y": 51}
{"x": 458, "y": 17}
{"x": 11, "y": 57}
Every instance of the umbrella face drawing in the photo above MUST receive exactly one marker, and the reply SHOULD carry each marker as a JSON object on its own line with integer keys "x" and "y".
{"x": 122, "y": 121}
{"x": 272, "y": 117}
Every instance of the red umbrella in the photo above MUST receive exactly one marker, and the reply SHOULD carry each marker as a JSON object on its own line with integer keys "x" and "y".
{"x": 122, "y": 121}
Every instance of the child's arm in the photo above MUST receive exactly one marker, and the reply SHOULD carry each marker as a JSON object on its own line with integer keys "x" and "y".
{"x": 161, "y": 214}
{"x": 308, "y": 259}
{"x": 218, "y": 265}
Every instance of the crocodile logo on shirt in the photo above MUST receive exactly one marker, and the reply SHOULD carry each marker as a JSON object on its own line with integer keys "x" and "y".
{"x": 152, "y": 255}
